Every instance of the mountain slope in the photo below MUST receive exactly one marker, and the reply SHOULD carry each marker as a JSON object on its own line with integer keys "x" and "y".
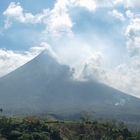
{"x": 45, "y": 85}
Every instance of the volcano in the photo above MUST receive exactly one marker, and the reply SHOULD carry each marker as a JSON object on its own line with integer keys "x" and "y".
{"x": 44, "y": 85}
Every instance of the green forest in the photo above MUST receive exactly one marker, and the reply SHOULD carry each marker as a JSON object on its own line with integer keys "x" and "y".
{"x": 33, "y": 128}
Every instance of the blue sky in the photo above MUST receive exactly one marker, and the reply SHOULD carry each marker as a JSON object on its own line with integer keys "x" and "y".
{"x": 105, "y": 35}
{"x": 29, "y": 5}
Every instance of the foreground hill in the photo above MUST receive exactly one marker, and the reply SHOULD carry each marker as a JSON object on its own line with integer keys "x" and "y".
{"x": 44, "y": 85}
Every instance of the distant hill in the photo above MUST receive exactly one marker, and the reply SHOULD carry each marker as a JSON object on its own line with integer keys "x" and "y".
{"x": 44, "y": 85}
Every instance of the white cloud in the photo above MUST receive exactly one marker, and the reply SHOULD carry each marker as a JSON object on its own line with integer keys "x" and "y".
{"x": 7, "y": 24}
{"x": 125, "y": 78}
{"x": 128, "y": 3}
{"x": 132, "y": 3}
{"x": 15, "y": 12}
{"x": 118, "y": 1}
{"x": 56, "y": 20}
{"x": 91, "y": 68}
{"x": 133, "y": 35}
{"x": 11, "y": 60}
{"x": 59, "y": 21}
{"x": 89, "y": 4}
{"x": 104, "y": 3}
{"x": 118, "y": 15}
{"x": 129, "y": 14}
{"x": 128, "y": 72}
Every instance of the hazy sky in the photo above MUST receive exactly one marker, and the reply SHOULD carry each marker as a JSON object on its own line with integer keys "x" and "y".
{"x": 99, "y": 38}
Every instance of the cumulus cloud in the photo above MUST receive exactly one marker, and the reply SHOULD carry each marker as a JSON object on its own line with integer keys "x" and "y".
{"x": 57, "y": 20}
{"x": 15, "y": 12}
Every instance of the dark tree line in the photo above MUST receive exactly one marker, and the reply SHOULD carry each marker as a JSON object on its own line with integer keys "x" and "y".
{"x": 32, "y": 128}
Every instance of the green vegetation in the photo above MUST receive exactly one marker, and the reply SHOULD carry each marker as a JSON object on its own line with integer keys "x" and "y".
{"x": 32, "y": 128}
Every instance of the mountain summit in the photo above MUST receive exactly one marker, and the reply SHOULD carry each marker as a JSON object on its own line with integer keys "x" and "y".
{"x": 44, "y": 85}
